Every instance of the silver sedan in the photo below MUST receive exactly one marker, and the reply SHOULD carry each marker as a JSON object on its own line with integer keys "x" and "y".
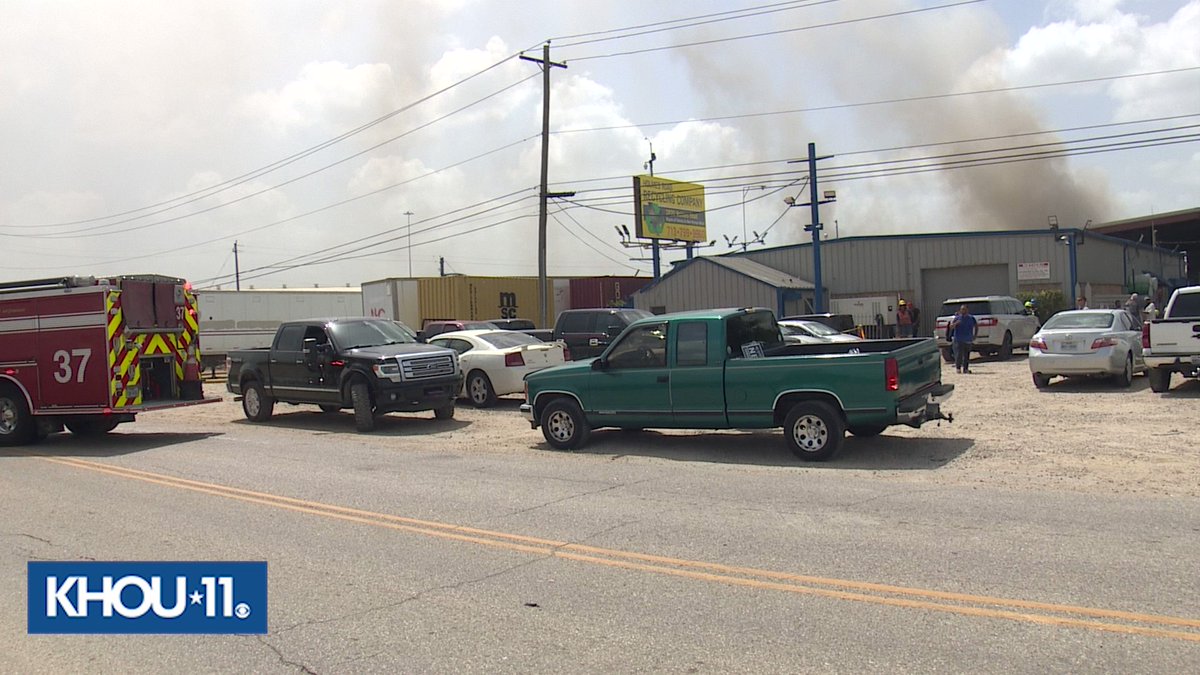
{"x": 1087, "y": 342}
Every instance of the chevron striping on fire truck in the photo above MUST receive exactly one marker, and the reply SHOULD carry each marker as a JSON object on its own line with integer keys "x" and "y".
{"x": 89, "y": 353}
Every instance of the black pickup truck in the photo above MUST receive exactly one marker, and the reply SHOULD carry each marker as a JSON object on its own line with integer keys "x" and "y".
{"x": 372, "y": 366}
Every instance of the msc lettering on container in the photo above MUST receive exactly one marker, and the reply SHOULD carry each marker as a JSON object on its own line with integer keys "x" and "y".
{"x": 147, "y": 597}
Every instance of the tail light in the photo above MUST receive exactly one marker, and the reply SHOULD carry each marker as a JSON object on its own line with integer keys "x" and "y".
{"x": 1038, "y": 343}
{"x": 942, "y": 323}
{"x": 1146, "y": 335}
{"x": 1101, "y": 343}
{"x": 891, "y": 374}
{"x": 566, "y": 352}
{"x": 514, "y": 359}
{"x": 988, "y": 321}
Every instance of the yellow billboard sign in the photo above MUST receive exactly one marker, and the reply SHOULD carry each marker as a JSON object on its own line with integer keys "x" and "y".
{"x": 668, "y": 209}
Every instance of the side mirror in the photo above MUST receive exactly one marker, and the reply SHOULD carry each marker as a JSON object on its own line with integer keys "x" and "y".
{"x": 599, "y": 364}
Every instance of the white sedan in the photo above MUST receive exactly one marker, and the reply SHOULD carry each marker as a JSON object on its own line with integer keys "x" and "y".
{"x": 813, "y": 331}
{"x": 496, "y": 361}
{"x": 1087, "y": 342}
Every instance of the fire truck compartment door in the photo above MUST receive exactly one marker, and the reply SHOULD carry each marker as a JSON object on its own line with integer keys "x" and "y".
{"x": 148, "y": 305}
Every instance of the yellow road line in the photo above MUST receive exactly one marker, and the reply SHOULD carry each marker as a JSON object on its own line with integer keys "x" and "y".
{"x": 912, "y": 598}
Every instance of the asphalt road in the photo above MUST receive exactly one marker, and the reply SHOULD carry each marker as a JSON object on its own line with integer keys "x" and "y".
{"x": 422, "y": 548}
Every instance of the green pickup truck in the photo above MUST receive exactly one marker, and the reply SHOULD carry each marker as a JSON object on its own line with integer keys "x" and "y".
{"x": 730, "y": 369}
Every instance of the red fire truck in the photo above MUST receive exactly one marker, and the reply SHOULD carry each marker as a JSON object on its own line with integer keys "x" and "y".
{"x": 89, "y": 354}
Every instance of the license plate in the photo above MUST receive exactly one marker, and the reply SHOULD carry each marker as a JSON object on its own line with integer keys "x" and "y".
{"x": 1069, "y": 346}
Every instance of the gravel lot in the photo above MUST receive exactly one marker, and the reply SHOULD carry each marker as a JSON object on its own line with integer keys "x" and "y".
{"x": 1079, "y": 435}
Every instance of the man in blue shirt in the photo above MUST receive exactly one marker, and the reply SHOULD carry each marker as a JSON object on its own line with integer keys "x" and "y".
{"x": 962, "y": 332}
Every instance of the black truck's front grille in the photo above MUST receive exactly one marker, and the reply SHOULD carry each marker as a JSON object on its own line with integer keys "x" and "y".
{"x": 425, "y": 367}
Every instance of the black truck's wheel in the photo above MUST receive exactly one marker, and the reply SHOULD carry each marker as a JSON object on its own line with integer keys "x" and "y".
{"x": 17, "y": 426}
{"x": 564, "y": 425}
{"x": 364, "y": 412}
{"x": 814, "y": 431}
{"x": 91, "y": 427}
{"x": 947, "y": 355}
{"x": 480, "y": 390}
{"x": 255, "y": 402}
{"x": 445, "y": 412}
{"x": 1160, "y": 379}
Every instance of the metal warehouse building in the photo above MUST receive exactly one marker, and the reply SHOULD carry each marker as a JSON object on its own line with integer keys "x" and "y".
{"x": 866, "y": 276}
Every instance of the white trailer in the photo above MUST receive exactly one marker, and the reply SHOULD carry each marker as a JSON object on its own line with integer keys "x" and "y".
{"x": 247, "y": 319}
{"x": 395, "y": 299}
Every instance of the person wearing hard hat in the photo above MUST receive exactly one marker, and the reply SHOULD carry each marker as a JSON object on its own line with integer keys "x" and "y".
{"x": 905, "y": 321}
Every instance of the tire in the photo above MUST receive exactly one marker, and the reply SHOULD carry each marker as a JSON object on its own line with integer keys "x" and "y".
{"x": 1005, "y": 351}
{"x": 17, "y": 426}
{"x": 1041, "y": 381}
{"x": 867, "y": 431}
{"x": 480, "y": 390}
{"x": 1160, "y": 379}
{"x": 364, "y": 412}
{"x": 91, "y": 427}
{"x": 564, "y": 425}
{"x": 444, "y": 413}
{"x": 947, "y": 355}
{"x": 330, "y": 408}
{"x": 1125, "y": 378}
{"x": 255, "y": 402}
{"x": 814, "y": 431}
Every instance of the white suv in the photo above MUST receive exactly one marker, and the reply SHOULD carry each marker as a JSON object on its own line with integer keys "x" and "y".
{"x": 1003, "y": 322}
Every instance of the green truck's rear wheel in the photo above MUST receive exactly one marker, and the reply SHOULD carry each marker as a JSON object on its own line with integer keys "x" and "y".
{"x": 814, "y": 430}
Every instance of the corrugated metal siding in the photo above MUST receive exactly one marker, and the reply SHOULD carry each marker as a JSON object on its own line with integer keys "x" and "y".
{"x": 482, "y": 298}
{"x": 703, "y": 285}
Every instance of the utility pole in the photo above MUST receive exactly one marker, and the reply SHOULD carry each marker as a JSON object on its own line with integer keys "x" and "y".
{"x": 409, "y": 214}
{"x": 237, "y": 271}
{"x": 546, "y": 64}
{"x": 815, "y": 227}
{"x": 442, "y": 266}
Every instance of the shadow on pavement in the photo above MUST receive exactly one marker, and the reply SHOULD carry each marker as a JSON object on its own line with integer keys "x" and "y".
{"x": 113, "y": 444}
{"x": 308, "y": 418}
{"x": 768, "y": 448}
{"x": 1094, "y": 385}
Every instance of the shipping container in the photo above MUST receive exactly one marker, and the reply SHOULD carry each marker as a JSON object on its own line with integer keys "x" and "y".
{"x": 605, "y": 291}
{"x": 395, "y": 299}
{"x": 247, "y": 319}
{"x": 482, "y": 298}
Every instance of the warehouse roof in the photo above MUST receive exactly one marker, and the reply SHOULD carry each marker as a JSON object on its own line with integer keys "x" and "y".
{"x": 760, "y": 272}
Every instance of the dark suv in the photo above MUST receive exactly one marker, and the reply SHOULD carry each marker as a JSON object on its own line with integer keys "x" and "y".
{"x": 587, "y": 332}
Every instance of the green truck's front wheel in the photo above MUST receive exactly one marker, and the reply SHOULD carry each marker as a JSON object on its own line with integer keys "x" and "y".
{"x": 814, "y": 430}
{"x": 564, "y": 424}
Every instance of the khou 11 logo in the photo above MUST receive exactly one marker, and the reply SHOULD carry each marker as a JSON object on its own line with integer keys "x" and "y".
{"x": 148, "y": 597}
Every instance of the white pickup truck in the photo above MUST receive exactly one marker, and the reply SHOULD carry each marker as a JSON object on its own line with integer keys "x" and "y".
{"x": 1172, "y": 344}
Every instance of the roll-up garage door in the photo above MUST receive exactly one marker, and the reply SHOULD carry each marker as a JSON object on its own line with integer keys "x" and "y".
{"x": 956, "y": 282}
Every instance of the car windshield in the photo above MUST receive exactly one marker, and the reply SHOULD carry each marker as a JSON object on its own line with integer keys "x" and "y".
{"x": 369, "y": 333}
{"x": 791, "y": 329}
{"x": 1064, "y": 320}
{"x": 505, "y": 340}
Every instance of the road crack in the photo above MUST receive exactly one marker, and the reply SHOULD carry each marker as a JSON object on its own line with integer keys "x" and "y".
{"x": 283, "y": 659}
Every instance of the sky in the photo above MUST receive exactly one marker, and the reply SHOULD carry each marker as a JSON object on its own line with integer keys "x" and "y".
{"x": 338, "y": 143}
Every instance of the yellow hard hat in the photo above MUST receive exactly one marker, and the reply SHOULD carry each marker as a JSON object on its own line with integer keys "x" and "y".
{"x": 902, "y": 301}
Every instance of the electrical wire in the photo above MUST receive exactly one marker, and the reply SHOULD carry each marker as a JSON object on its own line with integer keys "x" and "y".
{"x": 238, "y": 180}
{"x": 782, "y": 31}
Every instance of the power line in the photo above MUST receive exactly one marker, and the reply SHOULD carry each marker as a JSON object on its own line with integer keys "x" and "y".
{"x": 783, "y": 31}
{"x": 238, "y": 180}
{"x": 94, "y": 232}
{"x": 699, "y": 20}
